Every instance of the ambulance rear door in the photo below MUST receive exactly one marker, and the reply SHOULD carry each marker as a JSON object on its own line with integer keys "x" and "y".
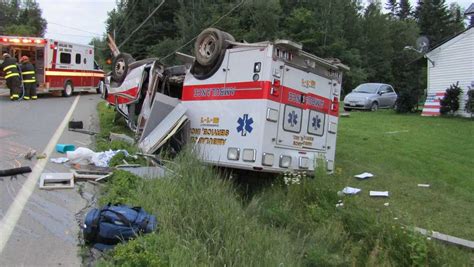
{"x": 292, "y": 123}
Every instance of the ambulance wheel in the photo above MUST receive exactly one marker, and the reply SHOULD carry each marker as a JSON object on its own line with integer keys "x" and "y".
{"x": 120, "y": 66}
{"x": 68, "y": 89}
{"x": 209, "y": 46}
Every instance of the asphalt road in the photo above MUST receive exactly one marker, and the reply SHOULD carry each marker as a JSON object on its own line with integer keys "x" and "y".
{"x": 46, "y": 233}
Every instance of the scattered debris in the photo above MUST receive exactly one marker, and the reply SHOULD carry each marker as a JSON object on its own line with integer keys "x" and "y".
{"x": 102, "y": 159}
{"x": 395, "y": 132}
{"x": 345, "y": 114}
{"x": 350, "y": 190}
{"x": 80, "y": 155}
{"x": 77, "y": 126}
{"x": 424, "y": 185}
{"x": 86, "y": 156}
{"x": 30, "y": 154}
{"x": 121, "y": 137}
{"x": 41, "y": 156}
{"x": 59, "y": 160}
{"x": 56, "y": 181}
{"x": 15, "y": 171}
{"x": 364, "y": 175}
{"x": 145, "y": 172}
{"x": 63, "y": 148}
{"x": 89, "y": 175}
{"x": 103, "y": 177}
{"x": 446, "y": 238}
{"x": 92, "y": 168}
{"x": 378, "y": 193}
{"x": 386, "y": 204}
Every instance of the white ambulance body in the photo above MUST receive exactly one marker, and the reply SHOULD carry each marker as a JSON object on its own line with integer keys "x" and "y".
{"x": 270, "y": 107}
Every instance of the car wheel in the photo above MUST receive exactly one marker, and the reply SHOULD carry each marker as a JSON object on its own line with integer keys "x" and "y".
{"x": 374, "y": 106}
{"x": 120, "y": 67}
{"x": 347, "y": 109}
{"x": 68, "y": 89}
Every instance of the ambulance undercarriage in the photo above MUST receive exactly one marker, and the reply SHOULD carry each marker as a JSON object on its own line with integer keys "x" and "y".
{"x": 266, "y": 106}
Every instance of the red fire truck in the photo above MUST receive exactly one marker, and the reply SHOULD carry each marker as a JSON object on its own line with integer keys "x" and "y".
{"x": 60, "y": 66}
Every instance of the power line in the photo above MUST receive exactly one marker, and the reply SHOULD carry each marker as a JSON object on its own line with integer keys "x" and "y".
{"x": 77, "y": 29}
{"x": 139, "y": 26}
{"x": 217, "y": 21}
{"x": 128, "y": 15}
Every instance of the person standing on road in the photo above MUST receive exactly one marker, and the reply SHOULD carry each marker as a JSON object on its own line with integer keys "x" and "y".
{"x": 12, "y": 76}
{"x": 29, "y": 78}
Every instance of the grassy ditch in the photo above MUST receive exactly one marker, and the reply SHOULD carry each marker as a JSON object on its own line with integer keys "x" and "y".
{"x": 204, "y": 221}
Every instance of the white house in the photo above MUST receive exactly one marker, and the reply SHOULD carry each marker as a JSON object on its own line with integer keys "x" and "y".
{"x": 450, "y": 63}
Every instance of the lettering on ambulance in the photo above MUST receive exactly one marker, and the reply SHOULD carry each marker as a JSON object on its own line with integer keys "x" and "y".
{"x": 210, "y": 121}
{"x": 303, "y": 141}
{"x": 308, "y": 83}
{"x": 209, "y": 136}
{"x": 214, "y": 92}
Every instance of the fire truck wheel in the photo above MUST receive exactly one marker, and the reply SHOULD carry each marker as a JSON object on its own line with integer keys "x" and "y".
{"x": 68, "y": 89}
{"x": 208, "y": 46}
{"x": 120, "y": 66}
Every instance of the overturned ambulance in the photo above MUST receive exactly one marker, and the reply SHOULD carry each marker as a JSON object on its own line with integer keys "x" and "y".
{"x": 265, "y": 106}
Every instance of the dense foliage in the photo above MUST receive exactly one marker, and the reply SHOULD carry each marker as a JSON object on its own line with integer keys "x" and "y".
{"x": 22, "y": 18}
{"x": 450, "y": 102}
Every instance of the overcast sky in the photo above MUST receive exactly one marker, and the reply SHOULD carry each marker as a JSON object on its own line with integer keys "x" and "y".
{"x": 78, "y": 20}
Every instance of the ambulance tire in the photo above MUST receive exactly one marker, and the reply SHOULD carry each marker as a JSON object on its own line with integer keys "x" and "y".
{"x": 68, "y": 89}
{"x": 202, "y": 72}
{"x": 120, "y": 66}
{"x": 210, "y": 45}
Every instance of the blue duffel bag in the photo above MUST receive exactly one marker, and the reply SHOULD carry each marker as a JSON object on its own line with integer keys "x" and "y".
{"x": 116, "y": 223}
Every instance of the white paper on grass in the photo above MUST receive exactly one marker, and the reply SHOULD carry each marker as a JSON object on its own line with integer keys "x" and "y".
{"x": 364, "y": 175}
{"x": 378, "y": 193}
{"x": 350, "y": 190}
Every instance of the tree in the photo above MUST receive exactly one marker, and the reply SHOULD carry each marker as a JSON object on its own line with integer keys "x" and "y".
{"x": 392, "y": 7}
{"x": 23, "y": 18}
{"x": 435, "y": 20}
{"x": 404, "y": 11}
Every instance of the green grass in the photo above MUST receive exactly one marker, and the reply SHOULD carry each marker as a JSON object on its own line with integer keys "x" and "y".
{"x": 405, "y": 150}
{"x": 205, "y": 221}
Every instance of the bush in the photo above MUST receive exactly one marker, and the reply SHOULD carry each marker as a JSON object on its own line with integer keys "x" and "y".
{"x": 470, "y": 101}
{"x": 407, "y": 101}
{"x": 450, "y": 101}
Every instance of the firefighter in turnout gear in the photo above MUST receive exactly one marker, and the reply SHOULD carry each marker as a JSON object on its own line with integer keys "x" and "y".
{"x": 12, "y": 76}
{"x": 29, "y": 78}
